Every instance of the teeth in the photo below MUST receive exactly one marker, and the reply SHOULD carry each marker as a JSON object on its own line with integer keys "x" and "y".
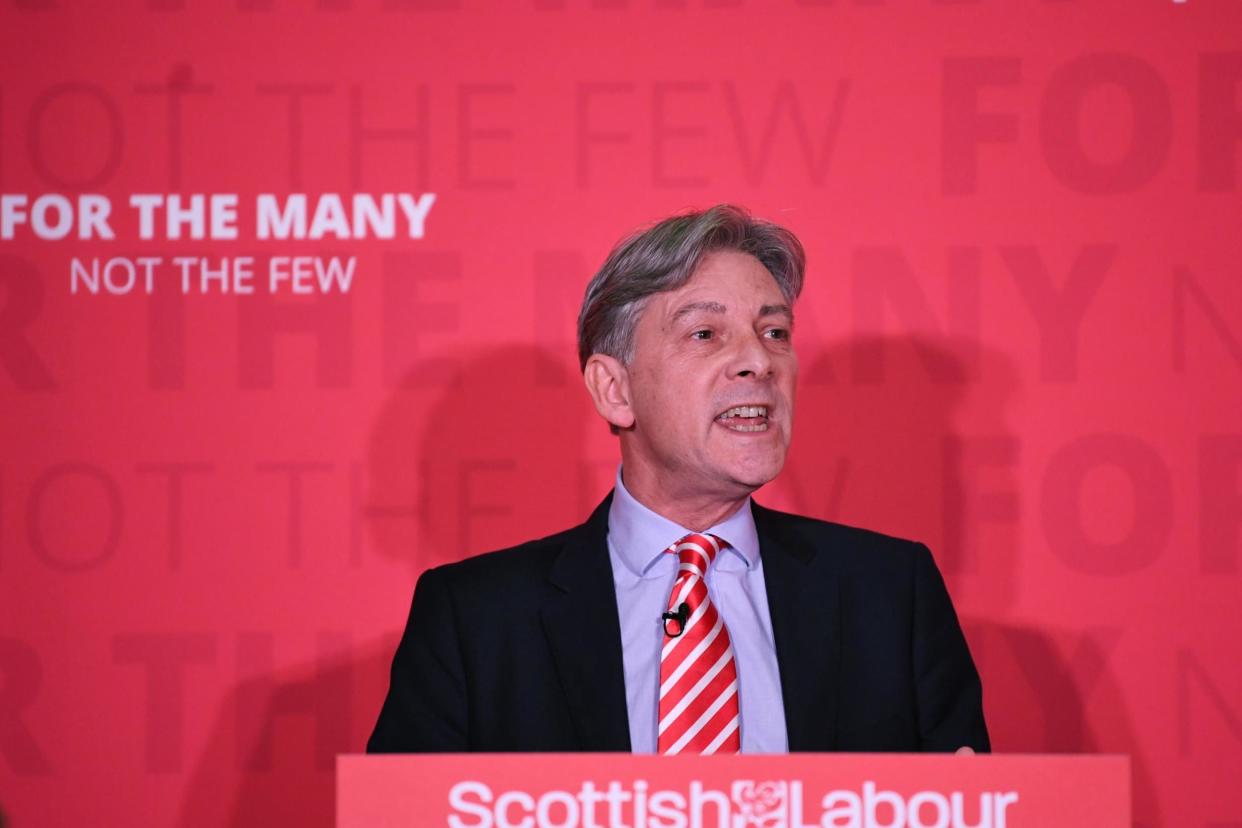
{"x": 746, "y": 411}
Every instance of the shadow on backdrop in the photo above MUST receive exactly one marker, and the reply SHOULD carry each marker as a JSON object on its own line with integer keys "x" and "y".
{"x": 485, "y": 459}
{"x": 909, "y": 436}
{"x": 904, "y": 435}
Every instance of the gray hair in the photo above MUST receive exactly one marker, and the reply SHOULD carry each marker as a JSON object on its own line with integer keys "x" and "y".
{"x": 663, "y": 257}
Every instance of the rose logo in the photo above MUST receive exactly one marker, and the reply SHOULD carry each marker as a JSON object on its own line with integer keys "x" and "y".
{"x": 760, "y": 804}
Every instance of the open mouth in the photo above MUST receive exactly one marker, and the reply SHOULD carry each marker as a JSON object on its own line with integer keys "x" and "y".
{"x": 745, "y": 418}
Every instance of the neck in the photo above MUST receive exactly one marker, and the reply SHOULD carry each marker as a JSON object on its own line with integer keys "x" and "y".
{"x": 696, "y": 511}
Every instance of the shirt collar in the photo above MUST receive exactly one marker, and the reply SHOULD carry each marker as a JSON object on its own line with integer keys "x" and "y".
{"x": 640, "y": 535}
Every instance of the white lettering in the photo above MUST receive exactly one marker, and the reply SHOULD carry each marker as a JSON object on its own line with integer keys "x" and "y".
{"x": 311, "y": 274}
{"x": 274, "y": 223}
{"x": 64, "y": 217}
{"x": 544, "y": 809}
{"x": 588, "y": 798}
{"x": 842, "y": 805}
{"x": 329, "y": 218}
{"x": 368, "y": 216}
{"x": 795, "y": 804}
{"x": 640, "y": 803}
{"x": 473, "y": 806}
{"x": 700, "y": 798}
{"x": 669, "y": 807}
{"x": 12, "y": 213}
{"x": 146, "y": 204}
{"x": 193, "y": 216}
{"x": 381, "y": 220}
{"x": 959, "y": 811}
{"x": 936, "y": 801}
{"x": 333, "y": 273}
{"x": 224, "y": 216}
{"x": 459, "y": 802}
{"x": 514, "y": 798}
{"x": 617, "y": 797}
{"x": 871, "y": 806}
{"x": 1003, "y": 801}
{"x": 93, "y": 212}
{"x": 80, "y": 275}
{"x": 116, "y": 276}
{"x": 416, "y": 211}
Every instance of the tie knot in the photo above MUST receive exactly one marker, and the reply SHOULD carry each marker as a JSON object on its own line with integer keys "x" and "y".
{"x": 698, "y": 549}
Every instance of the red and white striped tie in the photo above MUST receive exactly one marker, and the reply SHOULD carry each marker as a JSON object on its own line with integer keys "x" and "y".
{"x": 698, "y": 677}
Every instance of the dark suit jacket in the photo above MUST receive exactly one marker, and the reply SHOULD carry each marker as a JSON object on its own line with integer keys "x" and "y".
{"x": 520, "y": 650}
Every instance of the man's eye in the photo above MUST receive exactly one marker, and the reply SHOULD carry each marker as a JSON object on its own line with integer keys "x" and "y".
{"x": 778, "y": 333}
{"x": 701, "y": 334}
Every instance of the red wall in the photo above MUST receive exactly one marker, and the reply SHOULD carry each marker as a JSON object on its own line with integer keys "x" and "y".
{"x": 1021, "y": 342}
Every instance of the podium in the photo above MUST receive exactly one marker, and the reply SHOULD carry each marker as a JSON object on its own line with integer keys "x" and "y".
{"x": 581, "y": 790}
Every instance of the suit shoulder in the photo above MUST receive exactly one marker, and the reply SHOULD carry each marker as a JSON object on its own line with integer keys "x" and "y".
{"x": 532, "y": 555}
{"x": 814, "y": 528}
{"x": 852, "y": 545}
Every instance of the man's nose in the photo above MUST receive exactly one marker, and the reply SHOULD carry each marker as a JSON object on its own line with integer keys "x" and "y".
{"x": 751, "y": 358}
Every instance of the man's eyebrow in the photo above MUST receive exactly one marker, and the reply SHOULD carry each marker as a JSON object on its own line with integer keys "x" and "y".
{"x": 770, "y": 310}
{"x": 691, "y": 307}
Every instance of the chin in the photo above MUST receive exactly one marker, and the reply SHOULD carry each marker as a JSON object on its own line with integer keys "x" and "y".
{"x": 756, "y": 474}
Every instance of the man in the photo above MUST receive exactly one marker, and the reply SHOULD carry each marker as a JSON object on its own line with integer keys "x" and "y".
{"x": 682, "y": 617}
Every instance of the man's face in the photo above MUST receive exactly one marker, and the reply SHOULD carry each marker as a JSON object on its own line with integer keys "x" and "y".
{"x": 712, "y": 382}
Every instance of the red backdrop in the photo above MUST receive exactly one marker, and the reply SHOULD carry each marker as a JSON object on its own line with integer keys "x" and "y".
{"x": 1021, "y": 343}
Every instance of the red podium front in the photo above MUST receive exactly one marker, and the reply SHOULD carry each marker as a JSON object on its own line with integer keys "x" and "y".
{"x": 778, "y": 791}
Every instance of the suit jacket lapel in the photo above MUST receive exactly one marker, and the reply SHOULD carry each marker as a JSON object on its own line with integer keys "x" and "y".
{"x": 804, "y": 602}
{"x": 583, "y": 629}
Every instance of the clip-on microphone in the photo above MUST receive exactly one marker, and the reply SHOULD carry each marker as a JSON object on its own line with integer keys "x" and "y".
{"x": 681, "y": 616}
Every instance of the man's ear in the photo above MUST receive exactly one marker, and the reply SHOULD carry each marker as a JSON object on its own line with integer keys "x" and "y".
{"x": 608, "y": 382}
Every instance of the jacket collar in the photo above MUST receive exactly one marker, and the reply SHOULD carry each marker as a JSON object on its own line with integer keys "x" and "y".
{"x": 583, "y": 629}
{"x": 805, "y": 604}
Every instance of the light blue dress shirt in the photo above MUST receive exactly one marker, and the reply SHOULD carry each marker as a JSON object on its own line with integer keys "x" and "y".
{"x": 644, "y": 573}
